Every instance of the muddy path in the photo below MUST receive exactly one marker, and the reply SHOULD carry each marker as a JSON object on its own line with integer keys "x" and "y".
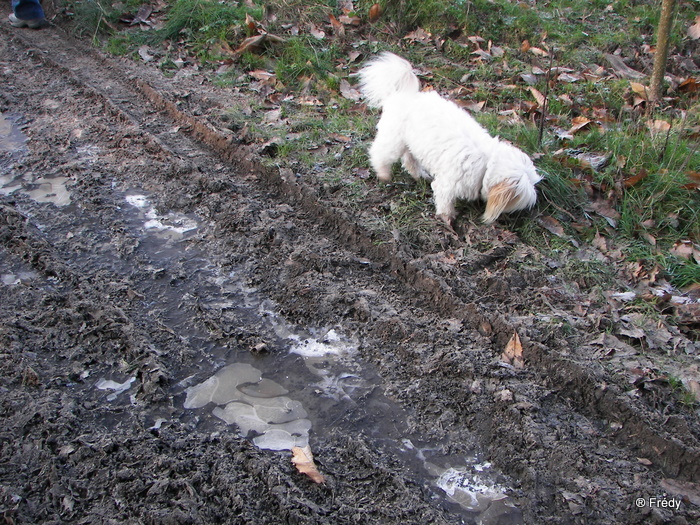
{"x": 144, "y": 249}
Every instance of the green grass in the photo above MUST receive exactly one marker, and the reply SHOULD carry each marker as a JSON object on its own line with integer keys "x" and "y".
{"x": 579, "y": 33}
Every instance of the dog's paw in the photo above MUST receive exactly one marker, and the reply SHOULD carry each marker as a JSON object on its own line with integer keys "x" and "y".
{"x": 448, "y": 220}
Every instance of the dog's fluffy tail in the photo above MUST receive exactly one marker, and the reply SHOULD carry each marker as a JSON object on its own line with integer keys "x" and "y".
{"x": 386, "y": 75}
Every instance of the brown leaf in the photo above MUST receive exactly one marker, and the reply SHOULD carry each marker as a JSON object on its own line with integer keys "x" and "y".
{"x": 338, "y": 28}
{"x": 658, "y": 126}
{"x": 525, "y": 46}
{"x": 538, "y": 51}
{"x": 251, "y": 25}
{"x": 689, "y": 85}
{"x": 374, "y": 13}
{"x": 635, "y": 179}
{"x": 579, "y": 123}
{"x": 640, "y": 89}
{"x": 569, "y": 78}
{"x": 513, "y": 354}
{"x": 303, "y": 460}
{"x": 142, "y": 15}
{"x": 474, "y": 107}
{"x": 350, "y": 20}
{"x": 262, "y": 75}
{"x": 686, "y": 250}
{"x": 605, "y": 209}
{"x": 649, "y": 238}
{"x": 317, "y": 32}
{"x": 539, "y": 97}
{"x": 419, "y": 35}
{"x": 552, "y": 225}
{"x": 622, "y": 69}
{"x": 694, "y": 30}
{"x": 348, "y": 91}
{"x": 256, "y": 42}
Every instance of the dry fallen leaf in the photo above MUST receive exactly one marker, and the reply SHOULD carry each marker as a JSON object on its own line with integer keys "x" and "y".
{"x": 374, "y": 13}
{"x": 689, "y": 85}
{"x": 338, "y": 28}
{"x": 552, "y": 225}
{"x": 635, "y": 179}
{"x": 419, "y": 35}
{"x": 303, "y": 460}
{"x": 622, "y": 69}
{"x": 255, "y": 43}
{"x": 513, "y": 354}
{"x": 640, "y": 89}
{"x": 694, "y": 30}
{"x": 349, "y": 92}
{"x": 658, "y": 126}
{"x": 578, "y": 123}
{"x": 539, "y": 97}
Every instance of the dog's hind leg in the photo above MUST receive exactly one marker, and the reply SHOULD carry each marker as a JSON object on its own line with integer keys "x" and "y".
{"x": 386, "y": 149}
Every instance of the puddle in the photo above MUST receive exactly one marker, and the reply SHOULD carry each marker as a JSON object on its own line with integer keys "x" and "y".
{"x": 254, "y": 405}
{"x": 12, "y": 140}
{"x": 305, "y": 383}
{"x": 41, "y": 189}
{"x": 20, "y": 277}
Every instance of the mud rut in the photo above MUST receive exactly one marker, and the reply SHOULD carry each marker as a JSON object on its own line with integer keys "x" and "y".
{"x": 564, "y": 434}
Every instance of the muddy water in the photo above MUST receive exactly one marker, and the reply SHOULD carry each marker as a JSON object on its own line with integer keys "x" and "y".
{"x": 297, "y": 386}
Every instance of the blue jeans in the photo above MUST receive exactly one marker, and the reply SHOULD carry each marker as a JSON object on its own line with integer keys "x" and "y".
{"x": 27, "y": 9}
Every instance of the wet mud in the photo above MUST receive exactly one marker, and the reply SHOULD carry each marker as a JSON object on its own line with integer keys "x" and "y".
{"x": 176, "y": 315}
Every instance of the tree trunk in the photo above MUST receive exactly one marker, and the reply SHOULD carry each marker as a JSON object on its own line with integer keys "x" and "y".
{"x": 663, "y": 34}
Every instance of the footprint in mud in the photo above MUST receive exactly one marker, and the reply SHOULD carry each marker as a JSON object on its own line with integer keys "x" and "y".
{"x": 255, "y": 405}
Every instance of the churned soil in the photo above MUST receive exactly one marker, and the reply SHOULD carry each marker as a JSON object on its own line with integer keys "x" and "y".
{"x": 577, "y": 435}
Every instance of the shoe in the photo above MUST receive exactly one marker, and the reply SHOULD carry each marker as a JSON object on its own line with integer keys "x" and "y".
{"x": 36, "y": 23}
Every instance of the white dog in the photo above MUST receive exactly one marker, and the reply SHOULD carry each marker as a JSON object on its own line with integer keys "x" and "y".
{"x": 435, "y": 139}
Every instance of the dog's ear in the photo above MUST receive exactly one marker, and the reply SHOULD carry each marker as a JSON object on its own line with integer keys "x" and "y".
{"x": 501, "y": 198}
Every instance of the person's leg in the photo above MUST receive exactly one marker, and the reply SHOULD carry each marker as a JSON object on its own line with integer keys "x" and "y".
{"x": 26, "y": 13}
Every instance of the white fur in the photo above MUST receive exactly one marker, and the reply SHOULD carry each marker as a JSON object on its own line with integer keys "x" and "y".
{"x": 435, "y": 139}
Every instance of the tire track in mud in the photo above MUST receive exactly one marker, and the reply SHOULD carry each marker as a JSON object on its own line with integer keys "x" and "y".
{"x": 641, "y": 433}
{"x": 117, "y": 473}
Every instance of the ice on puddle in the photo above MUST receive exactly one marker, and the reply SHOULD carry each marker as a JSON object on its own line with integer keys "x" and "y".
{"x": 223, "y": 386}
{"x": 118, "y": 388}
{"x": 466, "y": 489}
{"x": 265, "y": 388}
{"x": 243, "y": 398}
{"x": 138, "y": 201}
{"x": 331, "y": 343}
{"x": 171, "y": 222}
{"x": 278, "y": 439}
{"x": 11, "y": 279}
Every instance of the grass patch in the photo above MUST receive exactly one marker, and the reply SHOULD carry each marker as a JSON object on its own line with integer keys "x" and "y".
{"x": 655, "y": 212}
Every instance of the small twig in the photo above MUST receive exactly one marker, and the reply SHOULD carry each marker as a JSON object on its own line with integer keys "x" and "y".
{"x": 690, "y": 156}
{"x": 665, "y": 147}
{"x": 450, "y": 80}
{"x": 545, "y": 104}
